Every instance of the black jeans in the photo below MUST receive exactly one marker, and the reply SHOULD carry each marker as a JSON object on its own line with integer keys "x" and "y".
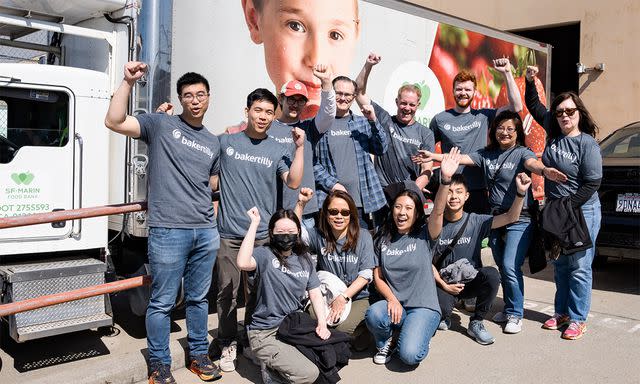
{"x": 484, "y": 287}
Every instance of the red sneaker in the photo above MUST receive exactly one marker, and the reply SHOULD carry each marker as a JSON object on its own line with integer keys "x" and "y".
{"x": 556, "y": 321}
{"x": 574, "y": 331}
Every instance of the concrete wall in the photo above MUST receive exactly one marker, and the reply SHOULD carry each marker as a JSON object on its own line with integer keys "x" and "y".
{"x": 610, "y": 33}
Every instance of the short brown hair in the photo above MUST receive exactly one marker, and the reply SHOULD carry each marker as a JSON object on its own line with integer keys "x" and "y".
{"x": 410, "y": 88}
{"x": 463, "y": 76}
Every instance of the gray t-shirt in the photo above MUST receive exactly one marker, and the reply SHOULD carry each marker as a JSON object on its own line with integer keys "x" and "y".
{"x": 467, "y": 131}
{"x": 343, "y": 152}
{"x": 405, "y": 262}
{"x": 288, "y": 197}
{"x": 577, "y": 157}
{"x": 181, "y": 160}
{"x": 500, "y": 168}
{"x": 345, "y": 265}
{"x": 249, "y": 169}
{"x": 469, "y": 244}
{"x": 406, "y": 140}
{"x": 280, "y": 289}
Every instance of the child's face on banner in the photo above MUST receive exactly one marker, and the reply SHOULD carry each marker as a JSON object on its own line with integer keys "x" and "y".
{"x": 297, "y": 34}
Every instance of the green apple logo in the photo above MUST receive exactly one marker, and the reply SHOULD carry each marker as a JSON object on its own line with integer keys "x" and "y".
{"x": 426, "y": 92}
{"x": 22, "y": 178}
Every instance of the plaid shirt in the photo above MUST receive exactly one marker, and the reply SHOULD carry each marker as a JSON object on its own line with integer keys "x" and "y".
{"x": 368, "y": 138}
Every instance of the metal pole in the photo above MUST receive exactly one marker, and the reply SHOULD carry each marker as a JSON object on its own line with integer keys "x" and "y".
{"x": 72, "y": 214}
{"x": 77, "y": 294}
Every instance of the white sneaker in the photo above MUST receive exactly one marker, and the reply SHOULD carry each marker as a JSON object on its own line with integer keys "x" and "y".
{"x": 514, "y": 324}
{"x": 384, "y": 354}
{"x": 228, "y": 357}
{"x": 499, "y": 317}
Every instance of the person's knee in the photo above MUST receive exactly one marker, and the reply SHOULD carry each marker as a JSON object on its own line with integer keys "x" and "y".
{"x": 376, "y": 316}
{"x": 304, "y": 373}
{"x": 492, "y": 276}
{"x": 411, "y": 354}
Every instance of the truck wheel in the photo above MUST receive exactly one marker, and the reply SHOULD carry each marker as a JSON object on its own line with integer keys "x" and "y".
{"x": 599, "y": 260}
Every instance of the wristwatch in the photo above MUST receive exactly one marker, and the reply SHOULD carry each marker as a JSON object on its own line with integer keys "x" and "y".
{"x": 346, "y": 298}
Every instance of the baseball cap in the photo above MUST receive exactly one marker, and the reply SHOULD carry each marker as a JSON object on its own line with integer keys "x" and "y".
{"x": 294, "y": 87}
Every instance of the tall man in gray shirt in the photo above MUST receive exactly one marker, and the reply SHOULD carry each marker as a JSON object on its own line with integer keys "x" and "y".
{"x": 183, "y": 239}
{"x": 467, "y": 128}
{"x": 250, "y": 164}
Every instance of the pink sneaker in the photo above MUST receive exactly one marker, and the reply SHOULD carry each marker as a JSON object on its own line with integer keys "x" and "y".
{"x": 574, "y": 331}
{"x": 556, "y": 321}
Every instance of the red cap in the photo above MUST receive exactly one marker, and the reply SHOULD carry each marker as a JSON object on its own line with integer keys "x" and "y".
{"x": 294, "y": 87}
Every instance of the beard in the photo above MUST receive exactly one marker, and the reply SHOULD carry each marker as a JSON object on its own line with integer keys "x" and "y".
{"x": 464, "y": 103}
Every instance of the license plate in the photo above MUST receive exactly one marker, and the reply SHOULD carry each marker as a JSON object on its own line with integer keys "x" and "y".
{"x": 628, "y": 203}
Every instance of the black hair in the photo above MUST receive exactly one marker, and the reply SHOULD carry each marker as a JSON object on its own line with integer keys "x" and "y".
{"x": 586, "y": 124}
{"x": 459, "y": 179}
{"x": 262, "y": 94}
{"x": 299, "y": 248}
{"x": 191, "y": 78}
{"x": 389, "y": 229}
{"x": 345, "y": 78}
{"x": 502, "y": 116}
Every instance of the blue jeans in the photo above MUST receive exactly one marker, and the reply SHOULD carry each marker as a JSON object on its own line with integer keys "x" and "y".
{"x": 417, "y": 326}
{"x": 509, "y": 246}
{"x": 174, "y": 254}
{"x": 573, "y": 275}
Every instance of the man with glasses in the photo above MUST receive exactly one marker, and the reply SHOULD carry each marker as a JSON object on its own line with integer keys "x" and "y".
{"x": 183, "y": 237}
{"x": 292, "y": 99}
{"x": 343, "y": 160}
{"x": 466, "y": 128}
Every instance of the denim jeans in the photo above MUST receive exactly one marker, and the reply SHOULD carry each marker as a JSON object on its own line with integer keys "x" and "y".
{"x": 417, "y": 326}
{"x": 174, "y": 254}
{"x": 509, "y": 246}
{"x": 572, "y": 273}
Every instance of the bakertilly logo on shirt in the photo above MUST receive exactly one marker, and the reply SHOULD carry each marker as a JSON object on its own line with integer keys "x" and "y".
{"x": 462, "y": 128}
{"x": 349, "y": 257}
{"x": 191, "y": 143}
{"x": 262, "y": 160}
{"x": 276, "y": 264}
{"x": 462, "y": 240}
{"x": 397, "y": 252}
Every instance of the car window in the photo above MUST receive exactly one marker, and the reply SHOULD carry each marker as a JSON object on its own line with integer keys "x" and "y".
{"x": 624, "y": 143}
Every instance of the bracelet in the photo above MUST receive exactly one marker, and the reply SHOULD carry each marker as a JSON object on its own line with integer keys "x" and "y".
{"x": 520, "y": 194}
{"x": 346, "y": 298}
{"x": 442, "y": 182}
{"x": 543, "y": 168}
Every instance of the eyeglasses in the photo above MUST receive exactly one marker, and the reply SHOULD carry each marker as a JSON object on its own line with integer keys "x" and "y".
{"x": 342, "y": 212}
{"x": 188, "y": 97}
{"x": 568, "y": 111}
{"x": 506, "y": 129}
{"x": 347, "y": 96}
{"x": 298, "y": 101}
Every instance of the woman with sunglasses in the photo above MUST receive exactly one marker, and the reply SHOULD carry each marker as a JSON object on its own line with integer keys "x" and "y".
{"x": 284, "y": 272}
{"x": 501, "y": 160}
{"x": 572, "y": 149}
{"x": 346, "y": 250}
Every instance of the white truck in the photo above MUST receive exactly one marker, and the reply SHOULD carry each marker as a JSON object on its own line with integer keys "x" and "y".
{"x": 56, "y": 154}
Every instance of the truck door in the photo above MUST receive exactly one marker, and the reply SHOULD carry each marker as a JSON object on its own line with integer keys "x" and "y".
{"x": 37, "y": 156}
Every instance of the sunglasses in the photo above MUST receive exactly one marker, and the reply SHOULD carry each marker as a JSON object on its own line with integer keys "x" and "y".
{"x": 569, "y": 111}
{"x": 342, "y": 212}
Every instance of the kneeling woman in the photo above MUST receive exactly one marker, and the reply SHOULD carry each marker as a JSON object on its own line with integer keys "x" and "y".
{"x": 404, "y": 276}
{"x": 284, "y": 272}
{"x": 344, "y": 249}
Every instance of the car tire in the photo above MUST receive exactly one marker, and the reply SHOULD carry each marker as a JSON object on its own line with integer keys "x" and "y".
{"x": 599, "y": 261}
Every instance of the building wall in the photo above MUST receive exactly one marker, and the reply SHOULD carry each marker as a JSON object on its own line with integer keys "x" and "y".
{"x": 610, "y": 34}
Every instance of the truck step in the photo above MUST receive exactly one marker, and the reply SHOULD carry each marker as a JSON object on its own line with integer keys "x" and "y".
{"x": 60, "y": 327}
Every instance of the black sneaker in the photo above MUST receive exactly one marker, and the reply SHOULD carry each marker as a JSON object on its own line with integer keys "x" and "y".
{"x": 206, "y": 370}
{"x": 161, "y": 374}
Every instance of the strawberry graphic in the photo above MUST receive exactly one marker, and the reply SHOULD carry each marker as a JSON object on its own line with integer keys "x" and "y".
{"x": 481, "y": 101}
{"x": 445, "y": 68}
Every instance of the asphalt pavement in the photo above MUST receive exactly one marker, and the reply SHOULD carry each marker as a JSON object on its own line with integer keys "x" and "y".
{"x": 607, "y": 353}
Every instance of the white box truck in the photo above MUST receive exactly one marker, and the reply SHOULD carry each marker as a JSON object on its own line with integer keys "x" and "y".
{"x": 57, "y": 155}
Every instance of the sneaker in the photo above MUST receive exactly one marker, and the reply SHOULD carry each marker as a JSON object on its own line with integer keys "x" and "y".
{"x": 514, "y": 324}
{"x": 228, "y": 357}
{"x": 250, "y": 356}
{"x": 479, "y": 332}
{"x": 384, "y": 354}
{"x": 206, "y": 370}
{"x": 445, "y": 324}
{"x": 469, "y": 304}
{"x": 499, "y": 317}
{"x": 556, "y": 321}
{"x": 574, "y": 331}
{"x": 161, "y": 374}
{"x": 268, "y": 375}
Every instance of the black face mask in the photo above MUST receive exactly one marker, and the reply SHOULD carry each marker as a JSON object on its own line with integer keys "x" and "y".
{"x": 284, "y": 242}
